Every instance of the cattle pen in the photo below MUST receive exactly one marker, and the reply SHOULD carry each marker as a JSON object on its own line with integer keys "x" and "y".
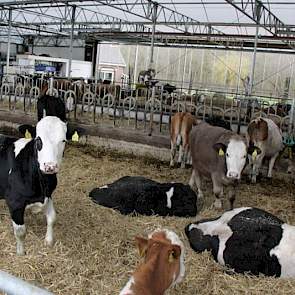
{"x": 95, "y": 252}
{"x": 119, "y": 71}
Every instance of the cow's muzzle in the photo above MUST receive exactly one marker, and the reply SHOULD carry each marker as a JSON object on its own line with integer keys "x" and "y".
{"x": 50, "y": 168}
{"x": 233, "y": 175}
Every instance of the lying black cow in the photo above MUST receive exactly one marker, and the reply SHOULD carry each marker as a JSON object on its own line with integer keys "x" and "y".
{"x": 28, "y": 174}
{"x": 216, "y": 121}
{"x": 144, "y": 196}
{"x": 50, "y": 106}
{"x": 247, "y": 240}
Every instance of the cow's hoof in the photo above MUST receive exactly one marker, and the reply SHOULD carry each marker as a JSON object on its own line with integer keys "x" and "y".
{"x": 253, "y": 180}
{"x": 49, "y": 242}
{"x": 200, "y": 196}
{"x": 20, "y": 251}
{"x": 218, "y": 204}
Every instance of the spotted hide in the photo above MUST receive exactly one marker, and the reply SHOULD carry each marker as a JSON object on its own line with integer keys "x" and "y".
{"x": 28, "y": 175}
{"x": 144, "y": 196}
{"x": 247, "y": 240}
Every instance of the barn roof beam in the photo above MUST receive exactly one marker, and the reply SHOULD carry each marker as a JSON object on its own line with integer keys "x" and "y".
{"x": 57, "y": 17}
{"x": 181, "y": 22}
{"x": 261, "y": 15}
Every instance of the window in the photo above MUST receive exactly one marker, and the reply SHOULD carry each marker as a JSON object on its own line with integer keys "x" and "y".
{"x": 106, "y": 74}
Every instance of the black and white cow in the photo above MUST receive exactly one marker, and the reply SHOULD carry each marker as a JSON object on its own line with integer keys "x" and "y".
{"x": 28, "y": 175}
{"x": 247, "y": 240}
{"x": 144, "y": 196}
{"x": 50, "y": 106}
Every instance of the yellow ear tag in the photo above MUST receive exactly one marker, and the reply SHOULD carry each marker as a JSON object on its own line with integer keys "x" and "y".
{"x": 28, "y": 134}
{"x": 75, "y": 137}
{"x": 254, "y": 155}
{"x": 221, "y": 152}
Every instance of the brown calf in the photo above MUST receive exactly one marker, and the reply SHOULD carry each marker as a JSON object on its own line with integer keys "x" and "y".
{"x": 180, "y": 128}
{"x": 267, "y": 136}
{"x": 163, "y": 264}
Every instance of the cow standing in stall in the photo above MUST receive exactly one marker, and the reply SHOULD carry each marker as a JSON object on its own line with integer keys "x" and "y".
{"x": 267, "y": 136}
{"x": 247, "y": 240}
{"x": 163, "y": 265}
{"x": 219, "y": 154}
{"x": 180, "y": 128}
{"x": 28, "y": 175}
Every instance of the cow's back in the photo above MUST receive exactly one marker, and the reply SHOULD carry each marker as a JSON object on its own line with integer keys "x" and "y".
{"x": 204, "y": 158}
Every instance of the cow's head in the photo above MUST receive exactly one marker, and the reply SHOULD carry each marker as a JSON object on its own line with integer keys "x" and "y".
{"x": 50, "y": 143}
{"x": 234, "y": 149}
{"x": 166, "y": 248}
{"x": 73, "y": 132}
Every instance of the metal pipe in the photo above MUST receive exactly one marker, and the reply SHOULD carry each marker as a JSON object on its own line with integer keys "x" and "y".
{"x": 155, "y": 8}
{"x": 135, "y": 65}
{"x": 71, "y": 40}
{"x": 15, "y": 286}
{"x": 8, "y": 40}
{"x": 291, "y": 121}
{"x": 184, "y": 68}
{"x": 253, "y": 62}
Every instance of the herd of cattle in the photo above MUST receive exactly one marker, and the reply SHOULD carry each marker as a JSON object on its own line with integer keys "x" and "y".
{"x": 245, "y": 239}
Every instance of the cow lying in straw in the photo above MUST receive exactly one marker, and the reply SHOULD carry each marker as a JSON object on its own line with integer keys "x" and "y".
{"x": 163, "y": 265}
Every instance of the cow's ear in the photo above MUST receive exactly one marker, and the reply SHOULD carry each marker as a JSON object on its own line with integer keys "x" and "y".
{"x": 74, "y": 133}
{"x": 254, "y": 151}
{"x": 27, "y": 131}
{"x": 141, "y": 244}
{"x": 174, "y": 253}
{"x": 220, "y": 148}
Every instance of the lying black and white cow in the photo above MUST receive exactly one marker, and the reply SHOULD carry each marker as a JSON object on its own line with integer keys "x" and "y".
{"x": 28, "y": 175}
{"x": 247, "y": 240}
{"x": 144, "y": 196}
{"x": 50, "y": 106}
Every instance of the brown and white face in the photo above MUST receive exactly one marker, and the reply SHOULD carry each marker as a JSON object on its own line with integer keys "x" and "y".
{"x": 168, "y": 250}
{"x": 235, "y": 153}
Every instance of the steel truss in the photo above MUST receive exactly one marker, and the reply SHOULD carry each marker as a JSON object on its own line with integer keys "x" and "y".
{"x": 261, "y": 15}
{"x": 52, "y": 20}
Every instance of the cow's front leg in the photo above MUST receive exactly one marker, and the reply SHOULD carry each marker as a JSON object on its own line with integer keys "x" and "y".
{"x": 172, "y": 153}
{"x": 218, "y": 192}
{"x": 50, "y": 218}
{"x": 196, "y": 179}
{"x": 19, "y": 229}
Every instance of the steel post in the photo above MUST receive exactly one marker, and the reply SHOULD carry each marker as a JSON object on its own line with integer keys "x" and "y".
{"x": 8, "y": 40}
{"x": 71, "y": 41}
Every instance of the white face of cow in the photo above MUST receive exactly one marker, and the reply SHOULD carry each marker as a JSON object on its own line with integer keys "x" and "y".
{"x": 50, "y": 143}
{"x": 236, "y": 154}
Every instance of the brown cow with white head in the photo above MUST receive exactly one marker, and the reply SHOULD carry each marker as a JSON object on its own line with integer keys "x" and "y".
{"x": 267, "y": 136}
{"x": 163, "y": 265}
{"x": 219, "y": 154}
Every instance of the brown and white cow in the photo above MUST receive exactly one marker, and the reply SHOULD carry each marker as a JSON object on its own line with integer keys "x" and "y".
{"x": 180, "y": 128}
{"x": 219, "y": 154}
{"x": 267, "y": 136}
{"x": 163, "y": 265}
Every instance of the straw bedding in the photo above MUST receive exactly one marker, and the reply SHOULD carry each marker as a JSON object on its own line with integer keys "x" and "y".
{"x": 94, "y": 251}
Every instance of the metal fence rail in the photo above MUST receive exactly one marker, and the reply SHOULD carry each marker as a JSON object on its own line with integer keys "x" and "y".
{"x": 12, "y": 285}
{"x": 141, "y": 107}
